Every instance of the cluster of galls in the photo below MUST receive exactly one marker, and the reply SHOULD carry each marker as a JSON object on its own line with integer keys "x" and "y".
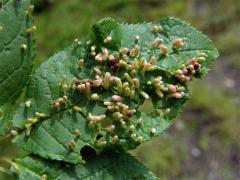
{"x": 118, "y": 112}
{"x": 186, "y": 72}
{"x": 31, "y": 121}
{"x": 30, "y": 30}
{"x": 158, "y": 43}
{"x": 60, "y": 101}
{"x": 134, "y": 66}
{"x": 72, "y": 143}
{"x": 171, "y": 90}
{"x": 176, "y": 45}
{"x": 86, "y": 85}
{"x": 106, "y": 56}
{"x": 159, "y": 86}
{"x": 176, "y": 91}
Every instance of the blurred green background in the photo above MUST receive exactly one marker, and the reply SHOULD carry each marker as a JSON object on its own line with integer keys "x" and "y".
{"x": 204, "y": 142}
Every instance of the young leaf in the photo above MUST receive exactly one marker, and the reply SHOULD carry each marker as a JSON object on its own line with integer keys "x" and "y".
{"x": 16, "y": 56}
{"x": 100, "y": 88}
{"x": 106, "y": 166}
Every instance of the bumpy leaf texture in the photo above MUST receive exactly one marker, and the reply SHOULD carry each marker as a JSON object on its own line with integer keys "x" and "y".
{"x": 106, "y": 166}
{"x": 114, "y": 90}
{"x": 16, "y": 57}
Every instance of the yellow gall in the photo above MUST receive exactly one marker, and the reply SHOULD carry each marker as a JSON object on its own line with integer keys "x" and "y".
{"x": 65, "y": 98}
{"x": 140, "y": 139}
{"x": 95, "y": 97}
{"x": 40, "y": 115}
{"x": 77, "y": 41}
{"x": 164, "y": 50}
{"x": 178, "y": 43}
{"x": 145, "y": 95}
{"x": 28, "y": 104}
{"x": 153, "y": 130}
{"x": 14, "y": 133}
{"x": 77, "y": 133}
{"x": 133, "y": 136}
{"x": 76, "y": 108}
{"x": 44, "y": 177}
{"x": 114, "y": 139}
{"x": 111, "y": 128}
{"x": 131, "y": 128}
{"x": 202, "y": 55}
{"x": 81, "y": 63}
{"x": 32, "y": 30}
{"x": 30, "y": 9}
{"x": 156, "y": 29}
{"x": 56, "y": 105}
{"x": 201, "y": 59}
{"x": 108, "y": 39}
{"x": 23, "y": 47}
{"x": 168, "y": 110}
{"x": 72, "y": 144}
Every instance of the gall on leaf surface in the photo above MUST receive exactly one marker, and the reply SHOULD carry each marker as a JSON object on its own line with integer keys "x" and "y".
{"x": 115, "y": 89}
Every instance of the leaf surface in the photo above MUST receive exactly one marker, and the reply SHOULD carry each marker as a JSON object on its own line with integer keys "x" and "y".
{"x": 118, "y": 88}
{"x": 15, "y": 62}
{"x": 106, "y": 166}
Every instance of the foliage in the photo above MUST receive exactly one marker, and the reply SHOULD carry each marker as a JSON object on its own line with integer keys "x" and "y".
{"x": 16, "y": 56}
{"x": 91, "y": 94}
{"x": 107, "y": 166}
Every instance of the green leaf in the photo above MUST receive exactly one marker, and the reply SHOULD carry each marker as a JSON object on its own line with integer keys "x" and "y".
{"x": 16, "y": 56}
{"x": 51, "y": 137}
{"x": 124, "y": 35}
{"x": 136, "y": 88}
{"x": 106, "y": 166}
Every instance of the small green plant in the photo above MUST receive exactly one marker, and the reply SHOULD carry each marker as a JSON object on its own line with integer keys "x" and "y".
{"x": 106, "y": 93}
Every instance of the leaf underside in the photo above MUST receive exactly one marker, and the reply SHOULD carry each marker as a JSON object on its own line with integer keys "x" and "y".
{"x": 63, "y": 114}
{"x": 15, "y": 63}
{"x": 107, "y": 166}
